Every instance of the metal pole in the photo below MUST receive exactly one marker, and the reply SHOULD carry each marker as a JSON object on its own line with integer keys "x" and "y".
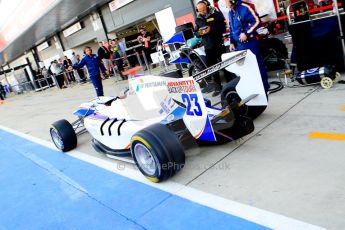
{"x": 46, "y": 81}
{"x": 30, "y": 72}
{"x": 193, "y": 7}
{"x": 36, "y": 58}
{"x": 103, "y": 24}
{"x": 335, "y": 2}
{"x": 57, "y": 35}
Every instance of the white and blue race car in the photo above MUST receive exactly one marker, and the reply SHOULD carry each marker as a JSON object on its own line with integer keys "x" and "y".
{"x": 153, "y": 115}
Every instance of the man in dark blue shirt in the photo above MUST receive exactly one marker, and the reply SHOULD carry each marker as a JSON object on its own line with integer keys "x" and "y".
{"x": 93, "y": 65}
{"x": 210, "y": 26}
{"x": 244, "y": 22}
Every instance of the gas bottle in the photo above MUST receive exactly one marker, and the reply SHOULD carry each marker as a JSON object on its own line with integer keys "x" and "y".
{"x": 315, "y": 75}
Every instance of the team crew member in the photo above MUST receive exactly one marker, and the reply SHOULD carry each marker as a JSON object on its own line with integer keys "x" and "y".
{"x": 93, "y": 64}
{"x": 244, "y": 22}
{"x": 210, "y": 26}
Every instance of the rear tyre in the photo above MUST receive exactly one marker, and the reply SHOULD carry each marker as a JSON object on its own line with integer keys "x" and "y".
{"x": 157, "y": 152}
{"x": 63, "y": 135}
{"x": 192, "y": 70}
{"x": 230, "y": 97}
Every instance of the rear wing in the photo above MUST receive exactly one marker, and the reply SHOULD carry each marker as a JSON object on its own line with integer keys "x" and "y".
{"x": 243, "y": 64}
{"x": 206, "y": 73}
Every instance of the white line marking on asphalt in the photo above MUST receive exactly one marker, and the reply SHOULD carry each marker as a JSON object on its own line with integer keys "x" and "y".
{"x": 259, "y": 216}
{"x": 72, "y": 193}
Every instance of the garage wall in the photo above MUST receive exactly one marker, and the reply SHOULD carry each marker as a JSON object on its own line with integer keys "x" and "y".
{"x": 141, "y": 9}
{"x": 80, "y": 49}
{"x": 51, "y": 51}
{"x": 92, "y": 31}
{"x": 22, "y": 61}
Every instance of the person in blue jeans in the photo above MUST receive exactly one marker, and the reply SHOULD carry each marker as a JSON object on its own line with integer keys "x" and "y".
{"x": 244, "y": 22}
{"x": 93, "y": 65}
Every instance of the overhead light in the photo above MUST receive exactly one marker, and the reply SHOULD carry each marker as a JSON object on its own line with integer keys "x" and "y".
{"x": 150, "y": 19}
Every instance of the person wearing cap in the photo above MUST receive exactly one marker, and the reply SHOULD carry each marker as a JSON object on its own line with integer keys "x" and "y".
{"x": 210, "y": 26}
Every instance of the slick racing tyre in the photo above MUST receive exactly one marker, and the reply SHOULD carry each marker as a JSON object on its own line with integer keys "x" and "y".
{"x": 157, "y": 152}
{"x": 230, "y": 97}
{"x": 196, "y": 67}
{"x": 63, "y": 135}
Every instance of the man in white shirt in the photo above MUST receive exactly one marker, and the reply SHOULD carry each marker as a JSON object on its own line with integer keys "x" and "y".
{"x": 58, "y": 72}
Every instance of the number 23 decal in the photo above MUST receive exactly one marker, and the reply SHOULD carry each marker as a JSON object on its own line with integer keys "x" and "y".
{"x": 188, "y": 99}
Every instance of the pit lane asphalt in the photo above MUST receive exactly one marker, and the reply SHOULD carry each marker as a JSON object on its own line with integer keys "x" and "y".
{"x": 276, "y": 168}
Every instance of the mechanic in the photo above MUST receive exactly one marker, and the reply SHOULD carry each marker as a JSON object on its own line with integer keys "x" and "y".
{"x": 93, "y": 64}
{"x": 244, "y": 22}
{"x": 210, "y": 26}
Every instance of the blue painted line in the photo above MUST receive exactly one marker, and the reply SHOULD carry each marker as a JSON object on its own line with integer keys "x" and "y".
{"x": 45, "y": 189}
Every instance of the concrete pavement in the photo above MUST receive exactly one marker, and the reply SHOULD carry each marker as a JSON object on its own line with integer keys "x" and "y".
{"x": 277, "y": 168}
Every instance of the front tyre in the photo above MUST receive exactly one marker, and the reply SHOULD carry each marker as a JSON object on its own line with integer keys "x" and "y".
{"x": 157, "y": 152}
{"x": 63, "y": 135}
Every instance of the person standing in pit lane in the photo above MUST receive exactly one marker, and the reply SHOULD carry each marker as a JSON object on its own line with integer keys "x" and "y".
{"x": 117, "y": 56}
{"x": 210, "y": 26}
{"x": 66, "y": 63}
{"x": 93, "y": 65}
{"x": 57, "y": 70}
{"x": 244, "y": 22}
{"x": 145, "y": 40}
{"x": 2, "y": 92}
{"x": 104, "y": 54}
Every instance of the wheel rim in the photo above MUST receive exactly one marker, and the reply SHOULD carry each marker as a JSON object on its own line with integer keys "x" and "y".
{"x": 56, "y": 139}
{"x": 326, "y": 83}
{"x": 145, "y": 159}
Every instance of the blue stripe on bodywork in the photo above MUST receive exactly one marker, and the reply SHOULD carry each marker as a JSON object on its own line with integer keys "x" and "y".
{"x": 208, "y": 133}
{"x": 84, "y": 112}
{"x": 177, "y": 114}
